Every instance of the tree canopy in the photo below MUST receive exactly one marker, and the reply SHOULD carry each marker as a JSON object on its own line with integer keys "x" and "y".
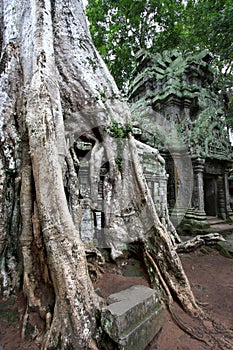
{"x": 119, "y": 29}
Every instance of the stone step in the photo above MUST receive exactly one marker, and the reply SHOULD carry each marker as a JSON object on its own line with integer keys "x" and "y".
{"x": 133, "y": 317}
{"x": 212, "y": 220}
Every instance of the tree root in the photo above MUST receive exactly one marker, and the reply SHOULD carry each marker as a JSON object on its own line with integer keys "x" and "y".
{"x": 217, "y": 339}
{"x": 198, "y": 241}
{"x": 95, "y": 261}
{"x": 95, "y": 271}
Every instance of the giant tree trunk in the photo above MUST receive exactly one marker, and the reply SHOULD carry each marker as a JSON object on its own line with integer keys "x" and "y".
{"x": 54, "y": 89}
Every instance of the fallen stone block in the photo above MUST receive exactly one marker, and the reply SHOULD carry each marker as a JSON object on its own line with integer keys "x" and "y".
{"x": 133, "y": 317}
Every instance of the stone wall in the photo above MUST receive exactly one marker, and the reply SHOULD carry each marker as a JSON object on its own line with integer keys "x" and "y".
{"x": 175, "y": 97}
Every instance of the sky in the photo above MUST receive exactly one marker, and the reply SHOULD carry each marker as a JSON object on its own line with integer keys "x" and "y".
{"x": 85, "y": 3}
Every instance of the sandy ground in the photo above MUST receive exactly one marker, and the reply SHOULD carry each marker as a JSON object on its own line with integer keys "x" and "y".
{"x": 211, "y": 278}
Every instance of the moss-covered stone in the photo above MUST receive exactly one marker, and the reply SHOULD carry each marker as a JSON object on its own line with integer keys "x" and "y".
{"x": 132, "y": 318}
{"x": 182, "y": 81}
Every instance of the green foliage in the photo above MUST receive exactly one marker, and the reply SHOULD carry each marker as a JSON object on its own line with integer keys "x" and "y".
{"x": 211, "y": 26}
{"x": 121, "y": 28}
{"x": 230, "y": 113}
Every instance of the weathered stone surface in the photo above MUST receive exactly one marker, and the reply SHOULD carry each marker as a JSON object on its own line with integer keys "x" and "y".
{"x": 185, "y": 114}
{"x": 133, "y": 317}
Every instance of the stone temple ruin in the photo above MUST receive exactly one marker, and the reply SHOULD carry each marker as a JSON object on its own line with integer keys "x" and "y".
{"x": 93, "y": 220}
{"x": 183, "y": 144}
{"x": 174, "y": 99}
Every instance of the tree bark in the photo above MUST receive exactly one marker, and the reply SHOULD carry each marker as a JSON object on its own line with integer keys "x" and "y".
{"x": 54, "y": 89}
{"x": 48, "y": 236}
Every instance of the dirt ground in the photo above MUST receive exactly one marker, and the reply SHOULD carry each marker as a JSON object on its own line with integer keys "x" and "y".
{"x": 211, "y": 278}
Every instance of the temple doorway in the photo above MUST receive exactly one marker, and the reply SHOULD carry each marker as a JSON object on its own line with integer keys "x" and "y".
{"x": 211, "y": 195}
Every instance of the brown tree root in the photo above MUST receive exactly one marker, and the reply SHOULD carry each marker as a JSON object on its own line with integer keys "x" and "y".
{"x": 217, "y": 339}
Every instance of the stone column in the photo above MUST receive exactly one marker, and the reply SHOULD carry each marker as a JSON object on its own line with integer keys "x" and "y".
{"x": 195, "y": 218}
{"x": 229, "y": 212}
{"x": 221, "y": 198}
{"x": 198, "y": 168}
{"x": 183, "y": 181}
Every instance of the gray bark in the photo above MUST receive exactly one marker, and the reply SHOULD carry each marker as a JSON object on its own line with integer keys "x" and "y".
{"x": 55, "y": 276}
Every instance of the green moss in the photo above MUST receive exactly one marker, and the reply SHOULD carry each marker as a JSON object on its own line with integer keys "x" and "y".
{"x": 192, "y": 227}
{"x": 207, "y": 249}
{"x": 224, "y": 252}
{"x": 119, "y": 130}
{"x": 118, "y": 161}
